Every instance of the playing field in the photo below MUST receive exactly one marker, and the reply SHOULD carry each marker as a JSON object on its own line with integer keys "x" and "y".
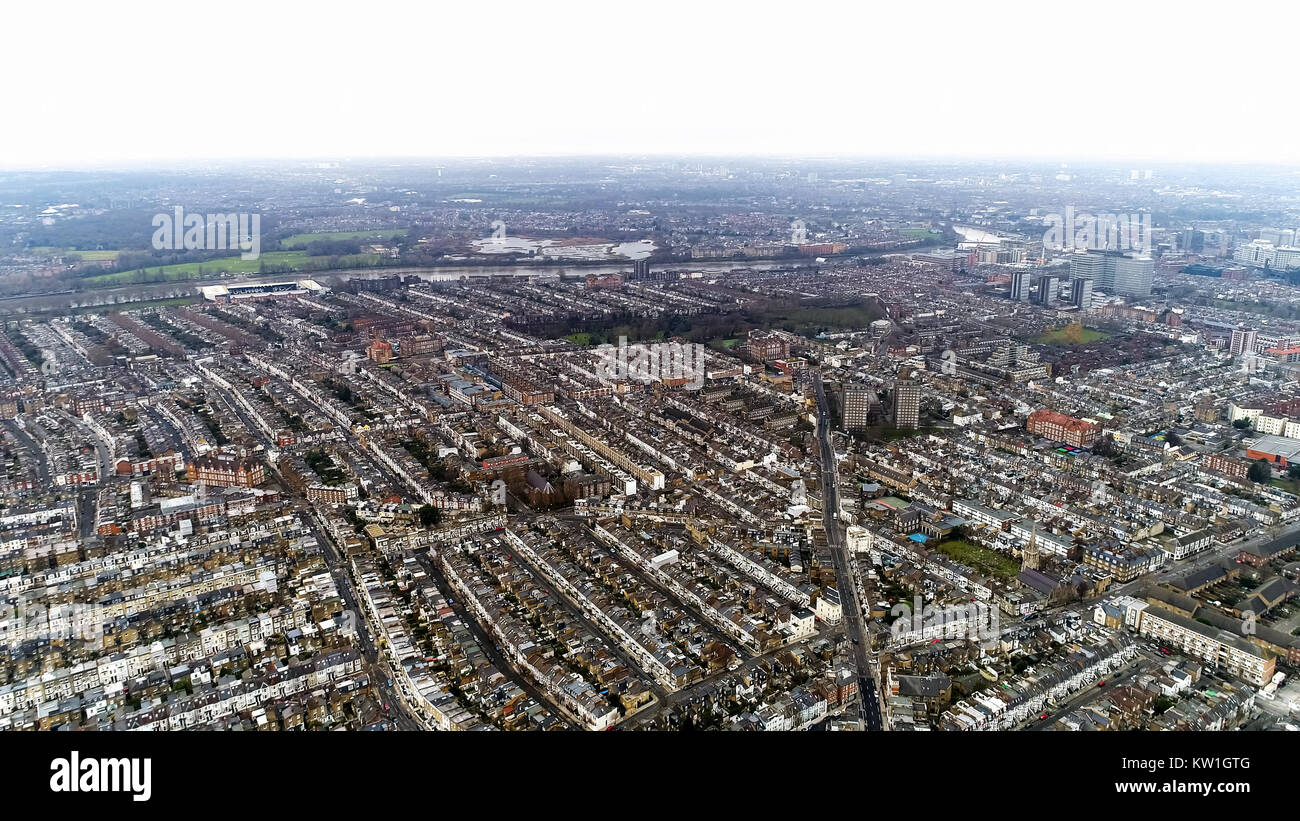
{"x": 300, "y": 240}
{"x": 86, "y": 256}
{"x": 269, "y": 262}
{"x": 1068, "y": 335}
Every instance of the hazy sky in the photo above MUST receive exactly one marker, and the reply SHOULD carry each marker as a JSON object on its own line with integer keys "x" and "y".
{"x": 99, "y": 82}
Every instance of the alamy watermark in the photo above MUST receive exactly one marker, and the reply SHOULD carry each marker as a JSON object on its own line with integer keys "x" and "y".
{"x": 1098, "y": 232}
{"x": 798, "y": 232}
{"x": 1252, "y": 363}
{"x": 215, "y": 232}
{"x": 655, "y": 362}
{"x": 798, "y": 493}
{"x": 49, "y": 362}
{"x": 22, "y": 621}
{"x": 949, "y": 366}
{"x": 72, "y": 773}
{"x": 27, "y": 621}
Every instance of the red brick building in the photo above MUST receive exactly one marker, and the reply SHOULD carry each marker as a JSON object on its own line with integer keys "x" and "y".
{"x": 380, "y": 351}
{"x": 225, "y": 470}
{"x": 1061, "y": 428}
{"x": 327, "y": 494}
{"x": 765, "y": 346}
{"x": 613, "y": 281}
{"x": 1228, "y": 466}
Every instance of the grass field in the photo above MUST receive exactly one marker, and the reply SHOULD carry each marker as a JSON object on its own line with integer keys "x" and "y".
{"x": 988, "y": 562}
{"x": 270, "y": 261}
{"x": 810, "y": 318}
{"x": 86, "y": 256}
{"x": 919, "y": 233}
{"x": 300, "y": 240}
{"x": 1067, "y": 335}
{"x": 1288, "y": 484}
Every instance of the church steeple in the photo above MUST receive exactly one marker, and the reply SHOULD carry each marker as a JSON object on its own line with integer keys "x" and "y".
{"x": 1029, "y": 556}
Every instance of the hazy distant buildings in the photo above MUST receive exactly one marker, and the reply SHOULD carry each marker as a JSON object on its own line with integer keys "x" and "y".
{"x": 999, "y": 256}
{"x": 1045, "y": 289}
{"x": 1243, "y": 341}
{"x": 1276, "y": 236}
{"x": 1206, "y": 242}
{"x": 1263, "y": 254}
{"x": 1081, "y": 293}
{"x": 1087, "y": 265}
{"x": 1113, "y": 272}
{"x": 1132, "y": 276}
{"x": 947, "y": 259}
{"x": 1020, "y": 284}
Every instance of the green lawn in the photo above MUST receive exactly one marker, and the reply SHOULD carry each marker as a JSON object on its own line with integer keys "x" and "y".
{"x": 1288, "y": 484}
{"x": 86, "y": 256}
{"x": 810, "y": 318}
{"x": 988, "y": 562}
{"x": 301, "y": 240}
{"x": 270, "y": 262}
{"x": 1064, "y": 337}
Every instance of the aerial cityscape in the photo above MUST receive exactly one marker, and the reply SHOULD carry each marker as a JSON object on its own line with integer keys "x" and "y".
{"x": 651, "y": 444}
{"x": 608, "y": 382}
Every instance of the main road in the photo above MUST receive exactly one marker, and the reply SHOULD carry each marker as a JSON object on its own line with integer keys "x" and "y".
{"x": 848, "y": 589}
{"x": 394, "y": 707}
